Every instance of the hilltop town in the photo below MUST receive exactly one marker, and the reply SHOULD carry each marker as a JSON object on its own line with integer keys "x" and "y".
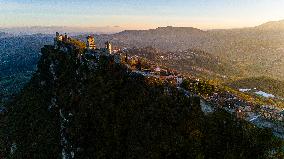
{"x": 212, "y": 96}
{"x": 85, "y": 101}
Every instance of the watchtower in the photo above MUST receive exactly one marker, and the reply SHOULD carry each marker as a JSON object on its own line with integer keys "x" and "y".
{"x": 57, "y": 40}
{"x": 108, "y": 47}
{"x": 65, "y": 38}
{"x": 91, "y": 42}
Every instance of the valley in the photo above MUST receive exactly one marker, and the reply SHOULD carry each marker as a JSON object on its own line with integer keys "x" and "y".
{"x": 18, "y": 59}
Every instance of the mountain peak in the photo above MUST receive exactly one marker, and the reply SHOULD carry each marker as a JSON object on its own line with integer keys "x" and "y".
{"x": 167, "y": 29}
{"x": 172, "y": 28}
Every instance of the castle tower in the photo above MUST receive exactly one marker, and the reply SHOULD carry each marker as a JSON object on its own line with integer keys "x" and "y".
{"x": 57, "y": 40}
{"x": 65, "y": 37}
{"x": 91, "y": 42}
{"x": 108, "y": 47}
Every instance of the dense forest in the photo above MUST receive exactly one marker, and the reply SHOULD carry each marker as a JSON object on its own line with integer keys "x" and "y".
{"x": 71, "y": 109}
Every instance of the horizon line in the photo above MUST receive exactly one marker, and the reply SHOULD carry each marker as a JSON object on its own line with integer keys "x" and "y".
{"x": 129, "y": 29}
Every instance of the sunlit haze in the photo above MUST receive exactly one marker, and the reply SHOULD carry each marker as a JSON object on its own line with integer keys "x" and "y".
{"x": 140, "y": 14}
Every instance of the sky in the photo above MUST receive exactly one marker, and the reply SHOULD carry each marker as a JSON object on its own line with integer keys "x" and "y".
{"x": 140, "y": 14}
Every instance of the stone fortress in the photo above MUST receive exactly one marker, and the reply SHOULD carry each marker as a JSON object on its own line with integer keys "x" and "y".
{"x": 90, "y": 49}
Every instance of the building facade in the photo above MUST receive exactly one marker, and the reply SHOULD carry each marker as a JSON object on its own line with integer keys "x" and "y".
{"x": 91, "y": 45}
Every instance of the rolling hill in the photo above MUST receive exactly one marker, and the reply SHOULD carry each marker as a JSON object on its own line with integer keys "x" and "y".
{"x": 192, "y": 61}
{"x": 273, "y": 25}
{"x": 253, "y": 50}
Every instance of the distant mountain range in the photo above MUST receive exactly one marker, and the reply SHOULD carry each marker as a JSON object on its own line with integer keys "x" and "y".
{"x": 3, "y": 34}
{"x": 275, "y": 25}
{"x": 233, "y": 53}
{"x": 62, "y": 29}
{"x": 255, "y": 51}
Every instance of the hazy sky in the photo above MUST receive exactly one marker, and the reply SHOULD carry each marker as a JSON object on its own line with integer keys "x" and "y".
{"x": 140, "y": 14}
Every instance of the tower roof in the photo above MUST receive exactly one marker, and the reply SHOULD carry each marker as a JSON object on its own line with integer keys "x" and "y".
{"x": 90, "y": 36}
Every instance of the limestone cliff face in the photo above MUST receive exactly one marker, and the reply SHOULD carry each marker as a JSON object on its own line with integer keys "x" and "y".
{"x": 72, "y": 110}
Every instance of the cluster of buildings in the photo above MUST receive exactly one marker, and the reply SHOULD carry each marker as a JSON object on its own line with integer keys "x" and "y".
{"x": 272, "y": 113}
{"x": 59, "y": 39}
{"x": 91, "y": 49}
{"x": 149, "y": 69}
{"x": 91, "y": 45}
{"x": 226, "y": 100}
{"x": 243, "y": 109}
{"x": 232, "y": 104}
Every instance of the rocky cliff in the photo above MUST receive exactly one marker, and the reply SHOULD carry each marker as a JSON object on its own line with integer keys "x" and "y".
{"x": 70, "y": 109}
